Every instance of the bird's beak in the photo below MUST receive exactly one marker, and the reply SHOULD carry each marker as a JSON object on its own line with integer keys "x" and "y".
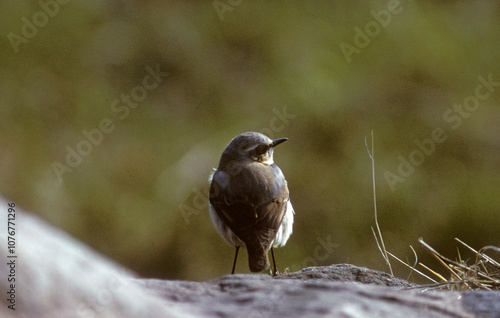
{"x": 278, "y": 141}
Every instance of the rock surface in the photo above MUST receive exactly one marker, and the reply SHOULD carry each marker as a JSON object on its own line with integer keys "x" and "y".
{"x": 347, "y": 273}
{"x": 57, "y": 276}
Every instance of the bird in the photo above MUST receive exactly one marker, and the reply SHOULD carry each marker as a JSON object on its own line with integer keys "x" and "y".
{"x": 249, "y": 201}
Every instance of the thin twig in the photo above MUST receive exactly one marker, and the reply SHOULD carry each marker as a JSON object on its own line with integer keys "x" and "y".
{"x": 479, "y": 254}
{"x": 414, "y": 264}
{"x": 435, "y": 286}
{"x": 412, "y": 268}
{"x": 382, "y": 249}
{"x": 434, "y": 272}
{"x": 378, "y": 245}
{"x": 439, "y": 257}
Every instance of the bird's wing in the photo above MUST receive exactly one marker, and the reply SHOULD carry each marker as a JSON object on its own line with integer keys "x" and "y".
{"x": 230, "y": 206}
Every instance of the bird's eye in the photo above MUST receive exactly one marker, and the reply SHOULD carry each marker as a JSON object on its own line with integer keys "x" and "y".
{"x": 261, "y": 149}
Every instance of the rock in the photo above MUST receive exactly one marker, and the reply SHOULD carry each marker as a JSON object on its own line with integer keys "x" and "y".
{"x": 347, "y": 273}
{"x": 482, "y": 303}
{"x": 57, "y": 276}
{"x": 262, "y": 296}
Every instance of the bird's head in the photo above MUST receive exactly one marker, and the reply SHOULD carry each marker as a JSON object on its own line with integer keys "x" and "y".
{"x": 250, "y": 146}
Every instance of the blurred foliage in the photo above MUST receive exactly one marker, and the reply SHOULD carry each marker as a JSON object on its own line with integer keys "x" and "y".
{"x": 140, "y": 194}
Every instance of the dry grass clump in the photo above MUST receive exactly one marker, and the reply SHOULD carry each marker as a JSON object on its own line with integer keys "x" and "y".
{"x": 483, "y": 273}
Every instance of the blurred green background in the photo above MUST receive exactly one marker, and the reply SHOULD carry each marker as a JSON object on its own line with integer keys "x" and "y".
{"x": 139, "y": 194}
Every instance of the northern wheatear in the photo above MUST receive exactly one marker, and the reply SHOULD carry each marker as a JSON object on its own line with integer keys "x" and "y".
{"x": 249, "y": 201}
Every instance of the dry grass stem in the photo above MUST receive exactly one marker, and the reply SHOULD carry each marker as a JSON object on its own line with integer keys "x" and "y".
{"x": 378, "y": 236}
{"x": 412, "y": 268}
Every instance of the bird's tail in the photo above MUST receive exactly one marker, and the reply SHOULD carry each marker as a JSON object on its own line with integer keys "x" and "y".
{"x": 257, "y": 258}
{"x": 257, "y": 252}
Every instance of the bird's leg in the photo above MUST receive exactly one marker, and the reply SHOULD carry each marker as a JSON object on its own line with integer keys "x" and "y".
{"x": 235, "y": 257}
{"x": 275, "y": 271}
